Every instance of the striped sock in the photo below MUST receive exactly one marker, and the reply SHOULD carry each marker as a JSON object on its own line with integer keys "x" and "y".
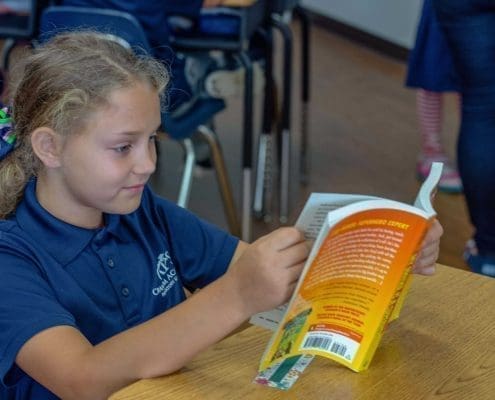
{"x": 429, "y": 106}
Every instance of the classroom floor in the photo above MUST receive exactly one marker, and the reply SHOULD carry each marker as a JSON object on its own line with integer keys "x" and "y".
{"x": 363, "y": 139}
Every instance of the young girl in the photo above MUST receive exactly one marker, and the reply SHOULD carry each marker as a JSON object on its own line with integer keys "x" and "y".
{"x": 93, "y": 264}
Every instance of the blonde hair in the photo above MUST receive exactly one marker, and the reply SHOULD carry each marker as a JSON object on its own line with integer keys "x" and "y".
{"x": 62, "y": 84}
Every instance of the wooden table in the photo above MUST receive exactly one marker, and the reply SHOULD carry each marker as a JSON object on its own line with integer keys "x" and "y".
{"x": 442, "y": 347}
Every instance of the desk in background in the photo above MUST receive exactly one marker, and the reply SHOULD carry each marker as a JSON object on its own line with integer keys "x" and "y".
{"x": 441, "y": 347}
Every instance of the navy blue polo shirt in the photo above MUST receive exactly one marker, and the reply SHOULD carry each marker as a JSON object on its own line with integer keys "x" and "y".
{"x": 101, "y": 281}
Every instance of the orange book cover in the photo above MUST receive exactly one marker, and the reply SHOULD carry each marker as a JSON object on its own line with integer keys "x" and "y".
{"x": 355, "y": 279}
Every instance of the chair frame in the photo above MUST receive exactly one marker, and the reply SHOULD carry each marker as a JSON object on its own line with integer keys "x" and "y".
{"x": 273, "y": 13}
{"x": 263, "y": 190}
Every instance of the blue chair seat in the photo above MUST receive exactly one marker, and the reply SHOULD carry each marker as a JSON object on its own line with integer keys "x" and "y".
{"x": 185, "y": 126}
{"x": 57, "y": 19}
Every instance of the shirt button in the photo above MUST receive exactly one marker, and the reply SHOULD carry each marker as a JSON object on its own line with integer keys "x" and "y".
{"x": 110, "y": 263}
{"x": 125, "y": 291}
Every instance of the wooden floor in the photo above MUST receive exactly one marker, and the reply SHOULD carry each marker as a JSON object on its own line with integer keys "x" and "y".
{"x": 363, "y": 136}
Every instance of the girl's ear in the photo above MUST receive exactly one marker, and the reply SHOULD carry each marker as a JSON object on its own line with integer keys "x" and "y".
{"x": 47, "y": 145}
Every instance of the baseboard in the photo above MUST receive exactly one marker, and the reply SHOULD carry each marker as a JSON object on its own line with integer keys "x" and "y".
{"x": 383, "y": 46}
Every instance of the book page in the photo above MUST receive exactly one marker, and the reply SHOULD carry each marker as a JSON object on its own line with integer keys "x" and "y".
{"x": 317, "y": 208}
{"x": 344, "y": 297}
{"x": 269, "y": 319}
{"x": 427, "y": 192}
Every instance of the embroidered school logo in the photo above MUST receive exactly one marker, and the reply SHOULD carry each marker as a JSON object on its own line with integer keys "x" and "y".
{"x": 166, "y": 273}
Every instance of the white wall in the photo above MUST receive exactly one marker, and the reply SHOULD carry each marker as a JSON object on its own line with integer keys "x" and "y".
{"x": 392, "y": 20}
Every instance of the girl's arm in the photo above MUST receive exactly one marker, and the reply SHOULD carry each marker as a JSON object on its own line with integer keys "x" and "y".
{"x": 261, "y": 276}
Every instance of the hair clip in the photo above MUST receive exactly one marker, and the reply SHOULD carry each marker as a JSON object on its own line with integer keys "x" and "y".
{"x": 7, "y": 135}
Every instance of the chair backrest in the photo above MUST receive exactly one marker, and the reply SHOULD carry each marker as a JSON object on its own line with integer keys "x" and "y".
{"x": 119, "y": 25}
{"x": 21, "y": 21}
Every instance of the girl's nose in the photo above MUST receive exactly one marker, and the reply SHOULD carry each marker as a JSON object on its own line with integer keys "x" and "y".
{"x": 146, "y": 162}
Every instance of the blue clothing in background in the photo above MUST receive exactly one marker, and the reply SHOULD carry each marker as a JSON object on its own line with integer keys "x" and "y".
{"x": 100, "y": 281}
{"x": 430, "y": 64}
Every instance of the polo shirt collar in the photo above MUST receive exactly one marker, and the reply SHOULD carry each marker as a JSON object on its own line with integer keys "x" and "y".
{"x": 61, "y": 239}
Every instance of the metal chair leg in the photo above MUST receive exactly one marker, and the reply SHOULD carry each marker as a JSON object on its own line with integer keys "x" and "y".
{"x": 187, "y": 175}
{"x": 304, "y": 163}
{"x": 286, "y": 106}
{"x": 264, "y": 169}
{"x": 223, "y": 178}
{"x": 247, "y": 144}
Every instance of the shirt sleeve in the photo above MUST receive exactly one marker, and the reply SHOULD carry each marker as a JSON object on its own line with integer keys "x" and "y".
{"x": 28, "y": 306}
{"x": 201, "y": 251}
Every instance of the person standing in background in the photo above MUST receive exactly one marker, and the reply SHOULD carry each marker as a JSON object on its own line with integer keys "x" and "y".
{"x": 469, "y": 27}
{"x": 431, "y": 71}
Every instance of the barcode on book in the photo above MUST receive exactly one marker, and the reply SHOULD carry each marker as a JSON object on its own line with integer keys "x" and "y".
{"x": 325, "y": 343}
{"x": 331, "y": 343}
{"x": 317, "y": 342}
{"x": 339, "y": 349}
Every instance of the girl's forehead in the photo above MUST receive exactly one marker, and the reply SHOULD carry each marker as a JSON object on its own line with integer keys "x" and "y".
{"x": 132, "y": 108}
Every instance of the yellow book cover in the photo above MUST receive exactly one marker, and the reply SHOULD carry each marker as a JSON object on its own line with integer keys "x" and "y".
{"x": 355, "y": 278}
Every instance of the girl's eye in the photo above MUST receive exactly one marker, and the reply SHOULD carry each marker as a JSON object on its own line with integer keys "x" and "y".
{"x": 123, "y": 149}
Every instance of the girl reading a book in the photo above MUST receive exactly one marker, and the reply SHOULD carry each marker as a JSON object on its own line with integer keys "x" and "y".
{"x": 93, "y": 263}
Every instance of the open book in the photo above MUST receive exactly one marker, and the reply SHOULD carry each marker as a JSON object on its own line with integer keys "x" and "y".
{"x": 355, "y": 278}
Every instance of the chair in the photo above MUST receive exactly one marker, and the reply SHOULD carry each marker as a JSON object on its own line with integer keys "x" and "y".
{"x": 124, "y": 28}
{"x": 229, "y": 30}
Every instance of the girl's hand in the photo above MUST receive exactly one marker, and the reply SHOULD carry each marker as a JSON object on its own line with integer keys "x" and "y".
{"x": 428, "y": 255}
{"x": 266, "y": 273}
